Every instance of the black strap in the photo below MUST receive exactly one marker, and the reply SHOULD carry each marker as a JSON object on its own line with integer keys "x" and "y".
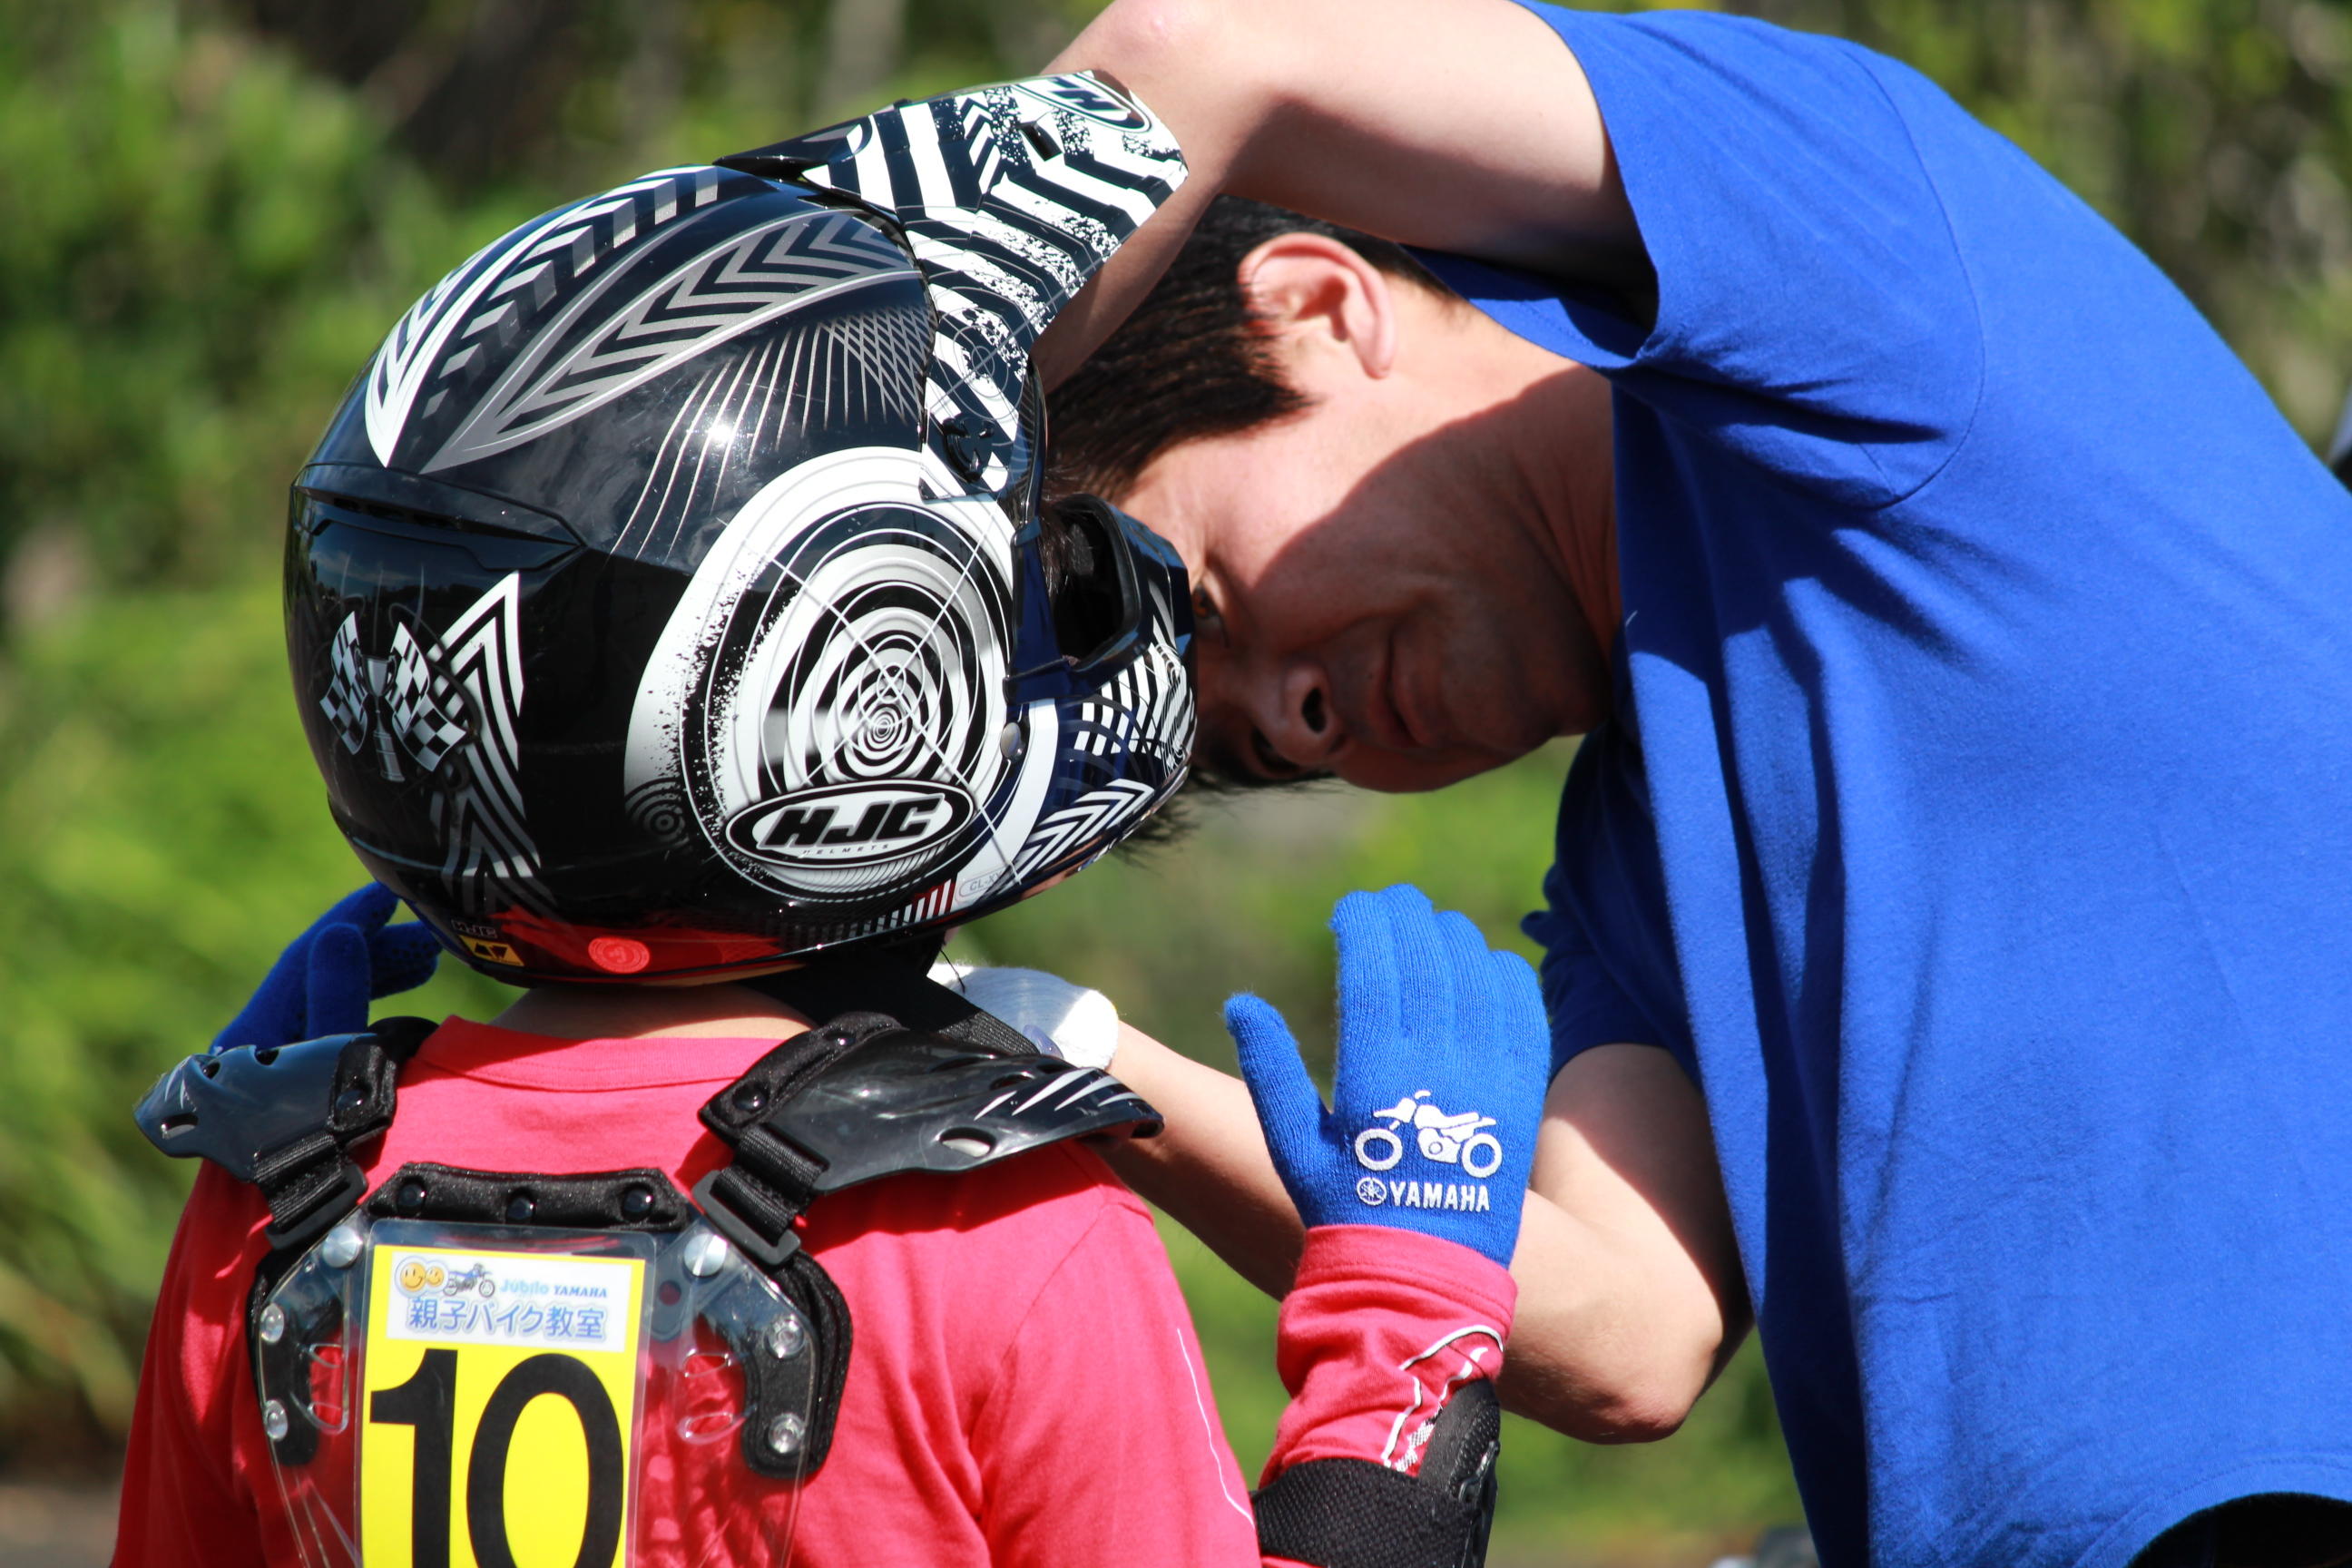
{"x": 642, "y": 1199}
{"x": 1354, "y": 1513}
{"x": 811, "y": 1289}
{"x": 274, "y": 1363}
{"x": 892, "y": 979}
{"x": 311, "y": 1183}
{"x": 754, "y": 1199}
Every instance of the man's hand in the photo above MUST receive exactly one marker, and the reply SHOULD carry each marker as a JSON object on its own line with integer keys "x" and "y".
{"x": 1437, "y": 1090}
{"x": 323, "y": 982}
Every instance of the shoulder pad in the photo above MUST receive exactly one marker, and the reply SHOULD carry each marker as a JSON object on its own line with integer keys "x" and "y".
{"x": 280, "y": 1116}
{"x": 862, "y": 1097}
{"x": 233, "y": 1107}
{"x": 907, "y": 1102}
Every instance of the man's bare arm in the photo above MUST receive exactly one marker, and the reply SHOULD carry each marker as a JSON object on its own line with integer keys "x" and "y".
{"x": 1466, "y": 125}
{"x": 1630, "y": 1290}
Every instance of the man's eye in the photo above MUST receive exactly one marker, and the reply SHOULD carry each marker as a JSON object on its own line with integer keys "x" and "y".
{"x": 1204, "y": 609}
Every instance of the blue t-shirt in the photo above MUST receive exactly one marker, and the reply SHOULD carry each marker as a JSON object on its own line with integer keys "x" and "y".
{"x": 1974, "y": 824}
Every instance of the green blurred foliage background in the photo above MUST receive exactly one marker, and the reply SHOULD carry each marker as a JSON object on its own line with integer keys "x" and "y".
{"x": 211, "y": 211}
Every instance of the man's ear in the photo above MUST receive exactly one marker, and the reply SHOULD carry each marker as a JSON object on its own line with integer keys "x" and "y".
{"x": 1315, "y": 297}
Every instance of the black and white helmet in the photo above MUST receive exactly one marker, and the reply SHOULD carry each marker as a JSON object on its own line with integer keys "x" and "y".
{"x": 671, "y": 594}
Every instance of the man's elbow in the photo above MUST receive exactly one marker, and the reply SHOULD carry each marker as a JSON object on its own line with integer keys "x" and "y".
{"x": 1639, "y": 1395}
{"x": 1133, "y": 39}
{"x": 1629, "y": 1410}
{"x": 1640, "y": 1413}
{"x": 1211, "y": 68}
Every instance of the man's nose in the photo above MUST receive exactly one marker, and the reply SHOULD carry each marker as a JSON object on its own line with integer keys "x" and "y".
{"x": 1299, "y": 724}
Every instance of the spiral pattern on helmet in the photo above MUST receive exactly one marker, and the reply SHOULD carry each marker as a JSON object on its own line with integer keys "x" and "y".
{"x": 880, "y": 686}
{"x": 661, "y": 811}
{"x": 878, "y": 657}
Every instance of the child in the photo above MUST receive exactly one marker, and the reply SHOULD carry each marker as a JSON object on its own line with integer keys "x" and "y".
{"x": 678, "y": 633}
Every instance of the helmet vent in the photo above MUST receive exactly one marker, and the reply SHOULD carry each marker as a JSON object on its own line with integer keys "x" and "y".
{"x": 409, "y": 517}
{"x": 1082, "y": 580}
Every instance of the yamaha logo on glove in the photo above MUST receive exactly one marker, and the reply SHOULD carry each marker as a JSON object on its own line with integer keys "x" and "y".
{"x": 1448, "y": 1140}
{"x": 1421, "y": 998}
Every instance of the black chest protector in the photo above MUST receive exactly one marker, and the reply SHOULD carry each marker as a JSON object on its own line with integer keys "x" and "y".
{"x": 932, "y": 1084}
{"x": 454, "y": 1303}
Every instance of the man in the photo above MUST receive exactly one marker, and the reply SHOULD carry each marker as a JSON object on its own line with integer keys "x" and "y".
{"x": 1947, "y": 960}
{"x": 1957, "y": 633}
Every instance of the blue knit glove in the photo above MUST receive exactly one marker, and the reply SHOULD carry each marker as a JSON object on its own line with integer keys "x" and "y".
{"x": 322, "y": 983}
{"x": 1439, "y": 1086}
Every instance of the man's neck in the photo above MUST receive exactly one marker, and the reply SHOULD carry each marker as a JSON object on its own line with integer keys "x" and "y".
{"x": 1558, "y": 439}
{"x": 633, "y": 1012}
{"x": 1541, "y": 444}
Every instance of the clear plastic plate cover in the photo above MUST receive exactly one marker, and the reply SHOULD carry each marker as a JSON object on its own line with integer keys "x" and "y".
{"x": 440, "y": 1396}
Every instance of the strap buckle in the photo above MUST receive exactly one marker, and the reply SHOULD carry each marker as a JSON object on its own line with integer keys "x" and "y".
{"x": 317, "y": 1212}
{"x": 716, "y": 1196}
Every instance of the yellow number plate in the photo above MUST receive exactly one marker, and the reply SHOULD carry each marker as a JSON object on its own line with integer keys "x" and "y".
{"x": 499, "y": 1402}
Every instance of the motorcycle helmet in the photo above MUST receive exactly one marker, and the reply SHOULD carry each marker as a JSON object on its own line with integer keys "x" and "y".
{"x": 670, "y": 595}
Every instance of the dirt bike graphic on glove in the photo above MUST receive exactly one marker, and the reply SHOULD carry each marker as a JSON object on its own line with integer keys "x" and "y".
{"x": 1448, "y": 1140}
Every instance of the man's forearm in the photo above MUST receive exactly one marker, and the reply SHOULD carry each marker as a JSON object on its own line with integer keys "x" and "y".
{"x": 1210, "y": 1169}
{"x": 1212, "y": 113}
{"x": 1466, "y": 125}
{"x": 1619, "y": 1327}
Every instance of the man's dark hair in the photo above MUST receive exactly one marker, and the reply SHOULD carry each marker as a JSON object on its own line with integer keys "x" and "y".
{"x": 1191, "y": 361}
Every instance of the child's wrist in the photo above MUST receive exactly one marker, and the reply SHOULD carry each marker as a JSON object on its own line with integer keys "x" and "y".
{"x": 1380, "y": 1329}
{"x": 1416, "y": 1261}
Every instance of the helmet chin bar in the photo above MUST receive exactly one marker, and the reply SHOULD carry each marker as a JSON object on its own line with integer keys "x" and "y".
{"x": 1145, "y": 594}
